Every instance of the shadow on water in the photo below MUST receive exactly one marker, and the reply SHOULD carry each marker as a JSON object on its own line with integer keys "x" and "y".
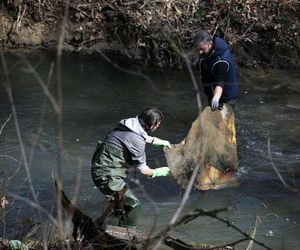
{"x": 97, "y": 96}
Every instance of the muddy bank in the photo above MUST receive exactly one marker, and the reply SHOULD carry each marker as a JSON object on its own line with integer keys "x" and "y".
{"x": 261, "y": 33}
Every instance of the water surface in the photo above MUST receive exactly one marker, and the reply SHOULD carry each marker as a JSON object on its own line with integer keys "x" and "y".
{"x": 96, "y": 95}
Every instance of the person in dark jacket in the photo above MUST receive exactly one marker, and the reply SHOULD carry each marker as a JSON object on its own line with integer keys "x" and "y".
{"x": 124, "y": 147}
{"x": 217, "y": 70}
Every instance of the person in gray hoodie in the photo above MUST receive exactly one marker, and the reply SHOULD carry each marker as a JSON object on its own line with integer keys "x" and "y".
{"x": 123, "y": 148}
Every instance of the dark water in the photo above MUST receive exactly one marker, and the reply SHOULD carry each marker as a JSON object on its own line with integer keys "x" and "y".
{"x": 97, "y": 95}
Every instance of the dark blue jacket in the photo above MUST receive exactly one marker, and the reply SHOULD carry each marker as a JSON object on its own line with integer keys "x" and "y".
{"x": 207, "y": 66}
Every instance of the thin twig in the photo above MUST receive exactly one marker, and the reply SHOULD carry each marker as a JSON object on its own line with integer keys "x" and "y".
{"x": 33, "y": 204}
{"x": 276, "y": 170}
{"x": 213, "y": 215}
{"x": 20, "y": 17}
{"x": 38, "y": 134}
{"x": 194, "y": 82}
{"x": 232, "y": 244}
{"x": 18, "y": 131}
{"x": 43, "y": 85}
{"x": 149, "y": 81}
{"x": 58, "y": 170}
{"x": 9, "y": 157}
{"x": 179, "y": 209}
{"x": 77, "y": 183}
{"x": 196, "y": 169}
{"x": 249, "y": 247}
{"x": 3, "y": 125}
{"x": 184, "y": 219}
{"x": 151, "y": 201}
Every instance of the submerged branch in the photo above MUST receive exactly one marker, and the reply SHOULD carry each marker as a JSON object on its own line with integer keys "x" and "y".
{"x": 225, "y": 221}
{"x": 4, "y": 124}
{"x": 173, "y": 223}
{"x": 277, "y": 171}
{"x": 213, "y": 214}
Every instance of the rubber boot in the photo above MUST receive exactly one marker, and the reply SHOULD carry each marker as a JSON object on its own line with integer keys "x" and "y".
{"x": 130, "y": 217}
{"x": 114, "y": 218}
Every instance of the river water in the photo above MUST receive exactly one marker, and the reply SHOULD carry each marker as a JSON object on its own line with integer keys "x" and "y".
{"x": 96, "y": 95}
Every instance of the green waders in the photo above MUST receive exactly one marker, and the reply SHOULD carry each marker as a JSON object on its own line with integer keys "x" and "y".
{"x": 109, "y": 173}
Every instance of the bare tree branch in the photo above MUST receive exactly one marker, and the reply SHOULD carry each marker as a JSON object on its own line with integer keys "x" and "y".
{"x": 225, "y": 221}
{"x": 194, "y": 81}
{"x": 3, "y": 125}
{"x": 277, "y": 171}
{"x": 9, "y": 157}
{"x": 58, "y": 171}
{"x": 149, "y": 81}
{"x": 46, "y": 86}
{"x": 34, "y": 205}
{"x": 196, "y": 169}
{"x": 43, "y": 85}
{"x": 18, "y": 131}
{"x": 249, "y": 247}
{"x": 156, "y": 210}
{"x": 213, "y": 214}
{"x": 179, "y": 209}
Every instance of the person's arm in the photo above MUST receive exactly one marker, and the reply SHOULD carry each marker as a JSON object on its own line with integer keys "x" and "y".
{"x": 137, "y": 157}
{"x": 146, "y": 171}
{"x": 158, "y": 142}
{"x": 216, "y": 98}
{"x": 220, "y": 70}
{"x": 152, "y": 173}
{"x": 149, "y": 139}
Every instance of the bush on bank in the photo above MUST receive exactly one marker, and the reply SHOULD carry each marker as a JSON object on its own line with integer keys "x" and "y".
{"x": 264, "y": 32}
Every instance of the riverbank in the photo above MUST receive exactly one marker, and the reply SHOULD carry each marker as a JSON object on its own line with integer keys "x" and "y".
{"x": 261, "y": 34}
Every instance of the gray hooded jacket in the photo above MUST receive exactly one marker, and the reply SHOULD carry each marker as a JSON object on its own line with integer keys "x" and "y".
{"x": 130, "y": 138}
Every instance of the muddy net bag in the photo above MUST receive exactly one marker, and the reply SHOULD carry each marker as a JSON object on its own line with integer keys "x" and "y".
{"x": 211, "y": 143}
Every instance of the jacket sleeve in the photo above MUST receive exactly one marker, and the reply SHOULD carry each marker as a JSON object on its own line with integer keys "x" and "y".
{"x": 136, "y": 149}
{"x": 220, "y": 70}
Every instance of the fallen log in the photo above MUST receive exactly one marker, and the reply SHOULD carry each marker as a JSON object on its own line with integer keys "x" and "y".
{"x": 112, "y": 237}
{"x": 177, "y": 244}
{"x": 211, "y": 142}
{"x": 93, "y": 235}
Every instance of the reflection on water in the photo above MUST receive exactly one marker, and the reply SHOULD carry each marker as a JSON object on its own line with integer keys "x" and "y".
{"x": 97, "y": 96}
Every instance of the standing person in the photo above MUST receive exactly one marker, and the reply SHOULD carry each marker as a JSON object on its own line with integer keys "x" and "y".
{"x": 124, "y": 147}
{"x": 217, "y": 70}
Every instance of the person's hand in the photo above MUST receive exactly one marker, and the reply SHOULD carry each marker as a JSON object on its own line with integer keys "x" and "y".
{"x": 214, "y": 104}
{"x": 163, "y": 171}
{"x": 158, "y": 142}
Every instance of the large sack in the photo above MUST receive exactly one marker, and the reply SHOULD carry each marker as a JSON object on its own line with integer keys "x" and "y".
{"x": 211, "y": 142}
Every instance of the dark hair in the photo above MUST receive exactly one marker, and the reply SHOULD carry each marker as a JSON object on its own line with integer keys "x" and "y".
{"x": 150, "y": 117}
{"x": 202, "y": 36}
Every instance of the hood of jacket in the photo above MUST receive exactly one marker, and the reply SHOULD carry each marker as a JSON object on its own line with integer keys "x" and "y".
{"x": 220, "y": 46}
{"x": 134, "y": 125}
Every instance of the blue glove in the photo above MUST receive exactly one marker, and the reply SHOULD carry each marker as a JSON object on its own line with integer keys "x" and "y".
{"x": 214, "y": 104}
{"x": 163, "y": 171}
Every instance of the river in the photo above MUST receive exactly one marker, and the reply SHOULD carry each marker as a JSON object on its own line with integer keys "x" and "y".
{"x": 96, "y": 95}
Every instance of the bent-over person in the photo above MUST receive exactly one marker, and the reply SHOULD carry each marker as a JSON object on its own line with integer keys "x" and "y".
{"x": 124, "y": 147}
